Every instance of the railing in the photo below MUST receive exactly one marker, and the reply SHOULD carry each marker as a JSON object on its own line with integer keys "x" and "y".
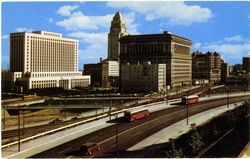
{"x": 85, "y": 121}
{"x": 62, "y": 128}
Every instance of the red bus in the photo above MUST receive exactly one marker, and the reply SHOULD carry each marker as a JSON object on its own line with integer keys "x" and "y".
{"x": 189, "y": 99}
{"x": 134, "y": 114}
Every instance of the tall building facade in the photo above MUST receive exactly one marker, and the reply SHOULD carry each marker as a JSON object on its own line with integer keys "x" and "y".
{"x": 110, "y": 66}
{"x": 110, "y": 74}
{"x": 166, "y": 48}
{"x": 246, "y": 64}
{"x": 95, "y": 72}
{"x": 117, "y": 30}
{"x": 46, "y": 59}
{"x": 143, "y": 77}
{"x": 224, "y": 71}
{"x": 206, "y": 66}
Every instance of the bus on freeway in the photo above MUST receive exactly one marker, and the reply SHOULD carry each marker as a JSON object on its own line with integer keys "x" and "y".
{"x": 189, "y": 99}
{"x": 135, "y": 114}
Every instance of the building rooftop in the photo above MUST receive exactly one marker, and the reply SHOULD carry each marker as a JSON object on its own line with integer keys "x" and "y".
{"x": 165, "y": 33}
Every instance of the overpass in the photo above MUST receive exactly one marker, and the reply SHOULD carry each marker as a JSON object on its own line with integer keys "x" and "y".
{"x": 29, "y": 148}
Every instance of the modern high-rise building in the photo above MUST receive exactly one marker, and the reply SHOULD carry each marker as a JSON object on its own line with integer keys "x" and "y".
{"x": 169, "y": 49}
{"x": 45, "y": 59}
{"x": 117, "y": 30}
{"x": 206, "y": 66}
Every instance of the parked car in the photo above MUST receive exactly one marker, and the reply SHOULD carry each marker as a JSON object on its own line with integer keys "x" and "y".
{"x": 90, "y": 148}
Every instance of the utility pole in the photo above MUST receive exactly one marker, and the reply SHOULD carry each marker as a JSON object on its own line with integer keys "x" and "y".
{"x": 116, "y": 136}
{"x": 23, "y": 121}
{"x": 187, "y": 103}
{"x": 187, "y": 111}
{"x": 18, "y": 128}
{"x": 65, "y": 113}
{"x": 4, "y": 118}
{"x": 110, "y": 107}
{"x": 83, "y": 108}
{"x": 96, "y": 109}
{"x": 227, "y": 97}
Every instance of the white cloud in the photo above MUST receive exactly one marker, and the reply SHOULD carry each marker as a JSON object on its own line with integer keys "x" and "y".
{"x": 50, "y": 20}
{"x": 232, "y": 49}
{"x": 78, "y": 21}
{"x": 197, "y": 45}
{"x": 131, "y": 25}
{"x": 96, "y": 46}
{"x": 87, "y": 30}
{"x": 66, "y": 10}
{"x": 176, "y": 13}
{"x": 236, "y": 38}
{"x": 5, "y": 37}
{"x": 90, "y": 37}
{"x": 23, "y": 30}
{"x": 92, "y": 53}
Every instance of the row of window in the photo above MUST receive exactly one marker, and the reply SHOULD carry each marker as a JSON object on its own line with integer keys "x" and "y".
{"x": 54, "y": 74}
{"x": 143, "y": 48}
{"x": 50, "y": 39}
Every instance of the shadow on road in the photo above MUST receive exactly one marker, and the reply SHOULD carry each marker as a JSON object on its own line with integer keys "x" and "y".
{"x": 153, "y": 151}
{"x": 118, "y": 120}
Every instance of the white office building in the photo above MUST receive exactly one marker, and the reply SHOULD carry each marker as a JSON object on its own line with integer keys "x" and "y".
{"x": 46, "y": 60}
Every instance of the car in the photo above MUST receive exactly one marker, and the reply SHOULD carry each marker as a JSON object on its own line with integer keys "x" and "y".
{"x": 74, "y": 118}
{"x": 55, "y": 121}
{"x": 90, "y": 148}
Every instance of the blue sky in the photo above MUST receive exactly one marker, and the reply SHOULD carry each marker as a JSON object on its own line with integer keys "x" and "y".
{"x": 211, "y": 26}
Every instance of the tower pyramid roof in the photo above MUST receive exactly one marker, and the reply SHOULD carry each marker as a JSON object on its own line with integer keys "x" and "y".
{"x": 118, "y": 16}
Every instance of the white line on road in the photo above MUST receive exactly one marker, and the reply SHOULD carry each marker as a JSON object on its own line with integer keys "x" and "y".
{"x": 61, "y": 152}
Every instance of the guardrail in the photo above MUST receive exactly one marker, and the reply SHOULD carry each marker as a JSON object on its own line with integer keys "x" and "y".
{"x": 81, "y": 122}
{"x": 62, "y": 128}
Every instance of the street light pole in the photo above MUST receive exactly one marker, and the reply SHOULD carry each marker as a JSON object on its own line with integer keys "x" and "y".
{"x": 227, "y": 97}
{"x": 96, "y": 109}
{"x": 187, "y": 103}
{"x": 23, "y": 120}
{"x": 65, "y": 113}
{"x": 4, "y": 118}
{"x": 116, "y": 136}
{"x": 110, "y": 107}
{"x": 18, "y": 128}
{"x": 187, "y": 111}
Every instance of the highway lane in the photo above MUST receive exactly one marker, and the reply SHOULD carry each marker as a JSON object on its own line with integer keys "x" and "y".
{"x": 131, "y": 133}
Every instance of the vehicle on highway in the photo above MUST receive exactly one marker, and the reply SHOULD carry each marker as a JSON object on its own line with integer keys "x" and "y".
{"x": 135, "y": 114}
{"x": 90, "y": 148}
{"x": 55, "y": 121}
{"x": 189, "y": 99}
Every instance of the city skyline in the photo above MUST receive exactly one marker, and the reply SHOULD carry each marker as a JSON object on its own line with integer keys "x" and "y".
{"x": 211, "y": 26}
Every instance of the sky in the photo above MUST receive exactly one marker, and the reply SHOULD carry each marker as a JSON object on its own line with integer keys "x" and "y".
{"x": 222, "y": 26}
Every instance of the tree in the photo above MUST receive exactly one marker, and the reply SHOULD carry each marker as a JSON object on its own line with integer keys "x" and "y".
{"x": 196, "y": 141}
{"x": 173, "y": 152}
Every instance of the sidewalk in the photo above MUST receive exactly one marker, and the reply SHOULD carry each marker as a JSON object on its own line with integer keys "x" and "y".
{"x": 40, "y": 144}
{"x": 245, "y": 153}
{"x": 181, "y": 127}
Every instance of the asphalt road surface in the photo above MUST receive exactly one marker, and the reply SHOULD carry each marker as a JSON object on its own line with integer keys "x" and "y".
{"x": 128, "y": 134}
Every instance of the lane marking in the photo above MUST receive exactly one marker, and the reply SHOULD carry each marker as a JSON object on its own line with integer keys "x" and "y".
{"x": 156, "y": 120}
{"x": 65, "y": 150}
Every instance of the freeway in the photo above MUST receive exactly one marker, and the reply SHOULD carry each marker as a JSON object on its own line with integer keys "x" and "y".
{"x": 128, "y": 134}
